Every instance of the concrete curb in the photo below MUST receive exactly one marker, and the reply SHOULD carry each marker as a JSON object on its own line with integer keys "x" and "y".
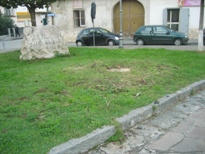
{"x": 99, "y": 136}
{"x": 84, "y": 143}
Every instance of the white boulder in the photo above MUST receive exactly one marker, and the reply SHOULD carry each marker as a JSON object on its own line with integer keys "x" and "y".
{"x": 42, "y": 42}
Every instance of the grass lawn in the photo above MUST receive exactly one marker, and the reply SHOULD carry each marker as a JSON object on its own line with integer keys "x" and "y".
{"x": 44, "y": 103}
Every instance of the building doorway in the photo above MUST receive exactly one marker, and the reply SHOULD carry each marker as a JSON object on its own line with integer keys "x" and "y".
{"x": 132, "y": 16}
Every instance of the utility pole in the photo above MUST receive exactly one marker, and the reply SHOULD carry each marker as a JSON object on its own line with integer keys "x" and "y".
{"x": 201, "y": 21}
{"x": 121, "y": 35}
{"x": 46, "y": 16}
{"x": 93, "y": 13}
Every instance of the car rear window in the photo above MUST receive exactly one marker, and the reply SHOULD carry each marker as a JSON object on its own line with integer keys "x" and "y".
{"x": 146, "y": 30}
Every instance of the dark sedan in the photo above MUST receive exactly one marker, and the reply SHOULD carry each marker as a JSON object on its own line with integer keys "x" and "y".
{"x": 101, "y": 35}
{"x": 159, "y": 34}
{"x": 204, "y": 36}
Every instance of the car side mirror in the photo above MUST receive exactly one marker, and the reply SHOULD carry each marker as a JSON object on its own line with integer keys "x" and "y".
{"x": 167, "y": 32}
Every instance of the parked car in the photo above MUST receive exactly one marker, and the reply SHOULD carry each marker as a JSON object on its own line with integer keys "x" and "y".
{"x": 159, "y": 34}
{"x": 101, "y": 35}
{"x": 204, "y": 36}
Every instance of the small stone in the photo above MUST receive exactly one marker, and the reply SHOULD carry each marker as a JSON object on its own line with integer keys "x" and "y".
{"x": 139, "y": 127}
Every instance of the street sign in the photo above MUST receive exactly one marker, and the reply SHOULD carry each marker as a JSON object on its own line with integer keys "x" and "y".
{"x": 93, "y": 10}
{"x": 51, "y": 14}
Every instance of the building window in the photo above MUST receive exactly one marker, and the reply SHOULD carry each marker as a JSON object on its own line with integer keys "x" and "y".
{"x": 79, "y": 18}
{"x": 9, "y": 12}
{"x": 23, "y": 16}
{"x": 173, "y": 19}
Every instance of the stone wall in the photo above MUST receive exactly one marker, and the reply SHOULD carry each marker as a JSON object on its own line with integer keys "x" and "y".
{"x": 193, "y": 33}
{"x": 69, "y": 36}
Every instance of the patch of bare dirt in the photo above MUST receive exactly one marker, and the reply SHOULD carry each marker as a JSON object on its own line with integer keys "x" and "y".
{"x": 119, "y": 70}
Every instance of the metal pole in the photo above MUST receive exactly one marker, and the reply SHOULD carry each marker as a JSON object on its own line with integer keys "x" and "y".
{"x": 14, "y": 32}
{"x": 3, "y": 46}
{"x": 93, "y": 34}
{"x": 9, "y": 31}
{"x": 93, "y": 12}
{"x": 201, "y": 21}
{"x": 121, "y": 35}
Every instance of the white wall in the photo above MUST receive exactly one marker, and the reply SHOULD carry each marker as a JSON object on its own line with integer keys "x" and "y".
{"x": 146, "y": 5}
{"x": 156, "y": 10}
{"x": 194, "y": 17}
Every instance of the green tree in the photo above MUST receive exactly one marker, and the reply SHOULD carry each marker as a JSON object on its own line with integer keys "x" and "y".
{"x": 30, "y": 4}
{"x": 6, "y": 23}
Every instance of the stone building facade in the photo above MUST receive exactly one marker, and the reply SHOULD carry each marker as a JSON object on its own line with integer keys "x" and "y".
{"x": 74, "y": 15}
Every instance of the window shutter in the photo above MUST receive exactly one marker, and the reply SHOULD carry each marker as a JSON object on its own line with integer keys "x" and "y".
{"x": 184, "y": 20}
{"x": 165, "y": 17}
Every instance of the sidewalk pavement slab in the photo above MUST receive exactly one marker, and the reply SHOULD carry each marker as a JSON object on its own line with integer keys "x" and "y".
{"x": 178, "y": 130}
{"x": 190, "y": 145}
{"x": 167, "y": 141}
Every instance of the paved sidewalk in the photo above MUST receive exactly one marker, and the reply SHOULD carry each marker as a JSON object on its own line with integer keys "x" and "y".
{"x": 179, "y": 130}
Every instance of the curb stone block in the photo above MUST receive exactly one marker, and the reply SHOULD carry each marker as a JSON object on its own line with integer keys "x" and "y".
{"x": 183, "y": 93}
{"x": 165, "y": 102}
{"x": 197, "y": 86}
{"x": 187, "y": 91}
{"x": 135, "y": 116}
{"x": 83, "y": 144}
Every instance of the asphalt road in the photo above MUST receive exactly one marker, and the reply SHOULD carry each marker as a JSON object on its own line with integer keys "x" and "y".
{"x": 11, "y": 45}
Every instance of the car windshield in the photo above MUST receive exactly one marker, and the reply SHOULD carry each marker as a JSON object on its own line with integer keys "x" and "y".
{"x": 104, "y": 31}
{"x": 86, "y": 32}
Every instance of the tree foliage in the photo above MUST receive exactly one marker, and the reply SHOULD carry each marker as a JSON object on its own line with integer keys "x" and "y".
{"x": 30, "y": 4}
{"x": 6, "y": 23}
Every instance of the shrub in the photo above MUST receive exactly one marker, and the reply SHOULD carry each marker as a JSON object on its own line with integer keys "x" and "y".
{"x": 6, "y": 22}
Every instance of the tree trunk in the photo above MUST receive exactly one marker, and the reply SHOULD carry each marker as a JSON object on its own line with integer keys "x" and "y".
{"x": 201, "y": 21}
{"x": 33, "y": 16}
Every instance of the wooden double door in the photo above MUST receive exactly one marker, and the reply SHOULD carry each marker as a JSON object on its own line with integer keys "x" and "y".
{"x": 132, "y": 17}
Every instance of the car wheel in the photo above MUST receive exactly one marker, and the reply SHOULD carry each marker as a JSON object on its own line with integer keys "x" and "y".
{"x": 79, "y": 43}
{"x": 111, "y": 43}
{"x": 177, "y": 42}
{"x": 140, "y": 42}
